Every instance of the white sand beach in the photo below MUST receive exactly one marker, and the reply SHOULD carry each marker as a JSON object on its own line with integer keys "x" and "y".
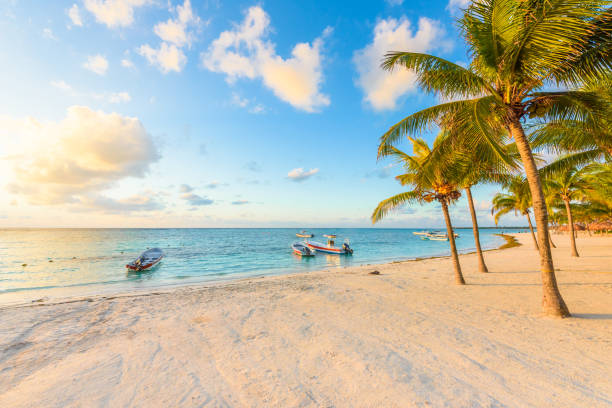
{"x": 408, "y": 337}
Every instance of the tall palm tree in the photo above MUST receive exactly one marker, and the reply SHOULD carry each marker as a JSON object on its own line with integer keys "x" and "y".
{"x": 479, "y": 170}
{"x": 517, "y": 200}
{"x": 518, "y": 48}
{"x": 567, "y": 185}
{"x": 482, "y": 266}
{"x": 483, "y": 166}
{"x": 429, "y": 183}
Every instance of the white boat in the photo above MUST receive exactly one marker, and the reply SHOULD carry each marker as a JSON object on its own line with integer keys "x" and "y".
{"x": 438, "y": 237}
{"x": 330, "y": 247}
{"x": 146, "y": 260}
{"x": 301, "y": 249}
{"x": 304, "y": 234}
{"x": 422, "y": 232}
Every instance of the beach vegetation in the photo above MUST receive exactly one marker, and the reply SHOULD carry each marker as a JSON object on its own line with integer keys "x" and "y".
{"x": 426, "y": 183}
{"x": 528, "y": 61}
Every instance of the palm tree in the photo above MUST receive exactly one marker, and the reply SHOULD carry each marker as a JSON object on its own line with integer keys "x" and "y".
{"x": 567, "y": 185}
{"x": 482, "y": 267}
{"x": 429, "y": 183}
{"x": 517, "y": 200}
{"x": 518, "y": 48}
{"x": 479, "y": 171}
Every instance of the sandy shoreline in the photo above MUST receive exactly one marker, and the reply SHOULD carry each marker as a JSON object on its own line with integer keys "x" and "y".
{"x": 76, "y": 293}
{"x": 342, "y": 337}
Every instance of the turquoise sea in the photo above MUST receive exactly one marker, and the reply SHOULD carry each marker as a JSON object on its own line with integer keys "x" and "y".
{"x": 84, "y": 258}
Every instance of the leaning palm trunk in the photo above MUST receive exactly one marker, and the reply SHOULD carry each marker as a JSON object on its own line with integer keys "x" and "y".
{"x": 552, "y": 244}
{"x": 570, "y": 224}
{"x": 451, "y": 239}
{"x": 535, "y": 241}
{"x": 552, "y": 302}
{"x": 482, "y": 267}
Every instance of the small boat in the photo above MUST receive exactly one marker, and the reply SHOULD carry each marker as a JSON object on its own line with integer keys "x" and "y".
{"x": 437, "y": 238}
{"x": 146, "y": 260}
{"x": 422, "y": 232}
{"x": 301, "y": 249}
{"x": 304, "y": 234}
{"x": 331, "y": 247}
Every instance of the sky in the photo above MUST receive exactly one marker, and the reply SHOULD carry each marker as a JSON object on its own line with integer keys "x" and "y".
{"x": 155, "y": 113}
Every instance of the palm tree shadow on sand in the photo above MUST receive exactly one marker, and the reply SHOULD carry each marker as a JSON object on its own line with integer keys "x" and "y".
{"x": 593, "y": 316}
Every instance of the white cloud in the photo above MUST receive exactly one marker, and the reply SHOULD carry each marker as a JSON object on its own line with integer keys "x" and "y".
{"x": 144, "y": 201}
{"x": 300, "y": 174}
{"x": 48, "y": 34}
{"x": 215, "y": 184}
{"x": 96, "y": 64}
{"x": 126, "y": 63}
{"x": 110, "y": 97}
{"x": 75, "y": 160}
{"x": 194, "y": 199}
{"x": 240, "y": 202}
{"x": 167, "y": 57}
{"x": 62, "y": 86}
{"x": 75, "y": 15}
{"x": 238, "y": 100}
{"x": 114, "y": 97}
{"x": 175, "y": 34}
{"x": 456, "y": 7}
{"x": 245, "y": 52}
{"x": 381, "y": 88}
{"x": 175, "y": 31}
{"x": 259, "y": 108}
{"x": 119, "y": 97}
{"x": 114, "y": 13}
{"x": 250, "y": 104}
{"x": 185, "y": 188}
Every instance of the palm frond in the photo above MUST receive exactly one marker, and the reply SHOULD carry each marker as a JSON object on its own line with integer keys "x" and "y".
{"x": 434, "y": 74}
{"x": 568, "y": 162}
{"x": 394, "y": 202}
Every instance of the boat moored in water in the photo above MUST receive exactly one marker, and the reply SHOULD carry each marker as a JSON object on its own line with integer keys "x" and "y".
{"x": 437, "y": 236}
{"x": 146, "y": 260}
{"x": 330, "y": 247}
{"x": 302, "y": 249}
{"x": 304, "y": 234}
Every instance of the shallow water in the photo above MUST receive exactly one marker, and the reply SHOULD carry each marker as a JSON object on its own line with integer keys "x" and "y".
{"x": 62, "y": 258}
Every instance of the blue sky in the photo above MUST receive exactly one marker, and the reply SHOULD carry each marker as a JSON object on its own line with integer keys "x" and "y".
{"x": 210, "y": 113}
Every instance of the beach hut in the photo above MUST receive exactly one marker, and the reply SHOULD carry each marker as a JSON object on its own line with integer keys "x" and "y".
{"x": 603, "y": 227}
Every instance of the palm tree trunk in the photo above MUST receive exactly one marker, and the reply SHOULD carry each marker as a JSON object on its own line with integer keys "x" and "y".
{"x": 451, "y": 239}
{"x": 570, "y": 224}
{"x": 482, "y": 267}
{"x": 552, "y": 244}
{"x": 535, "y": 241}
{"x": 552, "y": 301}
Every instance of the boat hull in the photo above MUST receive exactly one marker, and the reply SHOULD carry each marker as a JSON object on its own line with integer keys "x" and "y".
{"x": 326, "y": 249}
{"x": 302, "y": 249}
{"x": 151, "y": 258}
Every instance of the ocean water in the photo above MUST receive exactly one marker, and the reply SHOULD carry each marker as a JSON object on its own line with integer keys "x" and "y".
{"x": 39, "y": 260}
